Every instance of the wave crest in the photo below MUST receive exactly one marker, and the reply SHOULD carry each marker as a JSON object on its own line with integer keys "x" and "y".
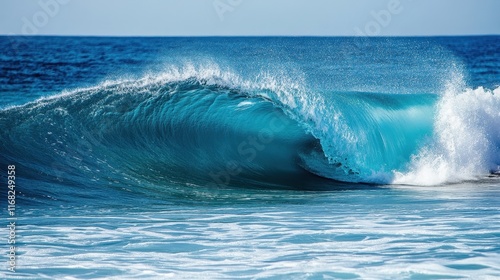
{"x": 204, "y": 124}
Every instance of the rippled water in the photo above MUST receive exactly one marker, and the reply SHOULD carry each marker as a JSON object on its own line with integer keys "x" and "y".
{"x": 390, "y": 232}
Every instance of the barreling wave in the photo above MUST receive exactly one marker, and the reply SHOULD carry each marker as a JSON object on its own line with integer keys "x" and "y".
{"x": 211, "y": 126}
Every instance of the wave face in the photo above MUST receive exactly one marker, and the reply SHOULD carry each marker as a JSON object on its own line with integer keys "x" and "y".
{"x": 205, "y": 125}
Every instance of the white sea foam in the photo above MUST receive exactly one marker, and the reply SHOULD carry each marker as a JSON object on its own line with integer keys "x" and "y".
{"x": 466, "y": 141}
{"x": 345, "y": 234}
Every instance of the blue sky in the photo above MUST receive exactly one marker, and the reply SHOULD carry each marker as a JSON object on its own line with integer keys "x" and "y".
{"x": 250, "y": 17}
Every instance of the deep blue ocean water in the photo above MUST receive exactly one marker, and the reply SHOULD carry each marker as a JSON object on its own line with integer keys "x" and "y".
{"x": 252, "y": 158}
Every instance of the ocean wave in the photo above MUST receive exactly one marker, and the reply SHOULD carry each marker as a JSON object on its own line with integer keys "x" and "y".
{"x": 210, "y": 126}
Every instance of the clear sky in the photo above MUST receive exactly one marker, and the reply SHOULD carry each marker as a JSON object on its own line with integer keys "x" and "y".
{"x": 250, "y": 17}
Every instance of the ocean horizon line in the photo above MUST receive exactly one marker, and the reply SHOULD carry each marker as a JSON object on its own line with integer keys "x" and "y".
{"x": 250, "y": 36}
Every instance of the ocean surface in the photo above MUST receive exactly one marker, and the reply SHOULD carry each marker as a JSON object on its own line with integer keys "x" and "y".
{"x": 251, "y": 158}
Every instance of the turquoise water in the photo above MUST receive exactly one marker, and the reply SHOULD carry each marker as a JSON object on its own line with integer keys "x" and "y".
{"x": 389, "y": 232}
{"x": 294, "y": 158}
